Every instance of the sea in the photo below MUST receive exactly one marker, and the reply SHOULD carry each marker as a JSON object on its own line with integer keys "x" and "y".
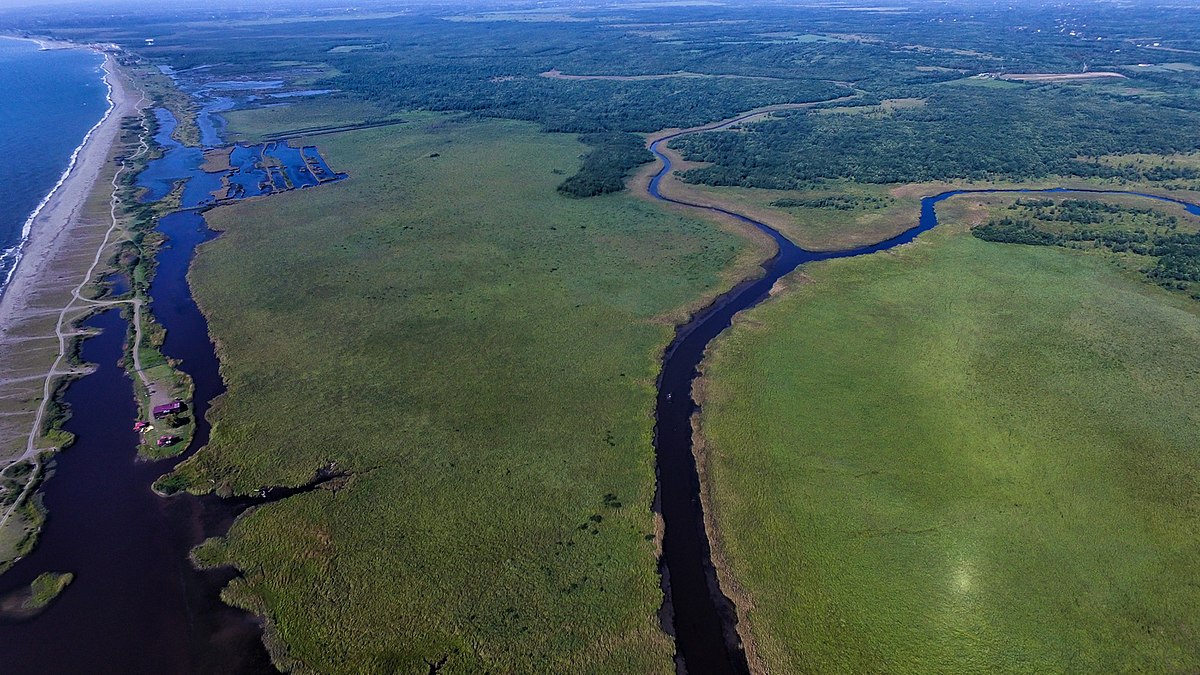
{"x": 49, "y": 101}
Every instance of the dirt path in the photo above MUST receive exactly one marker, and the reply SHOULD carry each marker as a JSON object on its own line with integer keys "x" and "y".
{"x": 1060, "y": 77}
{"x": 556, "y": 74}
{"x": 64, "y": 329}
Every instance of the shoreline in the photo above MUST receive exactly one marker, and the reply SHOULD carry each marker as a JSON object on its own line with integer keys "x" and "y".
{"x": 67, "y": 240}
{"x": 46, "y": 44}
{"x": 40, "y": 233}
{"x": 18, "y": 250}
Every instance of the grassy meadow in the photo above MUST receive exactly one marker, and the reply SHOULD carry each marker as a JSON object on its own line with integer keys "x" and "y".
{"x": 868, "y": 213}
{"x": 303, "y": 113}
{"x": 46, "y": 587}
{"x": 962, "y": 456}
{"x": 479, "y": 353}
{"x": 857, "y": 214}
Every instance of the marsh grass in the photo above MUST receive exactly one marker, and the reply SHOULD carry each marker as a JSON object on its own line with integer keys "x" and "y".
{"x": 479, "y": 353}
{"x": 301, "y": 113}
{"x": 962, "y": 456}
{"x": 46, "y": 587}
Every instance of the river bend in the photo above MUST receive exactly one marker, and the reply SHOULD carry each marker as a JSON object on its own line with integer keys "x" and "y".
{"x": 702, "y": 618}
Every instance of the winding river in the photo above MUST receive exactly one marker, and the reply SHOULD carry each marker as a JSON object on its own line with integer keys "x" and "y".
{"x": 137, "y": 605}
{"x": 703, "y": 619}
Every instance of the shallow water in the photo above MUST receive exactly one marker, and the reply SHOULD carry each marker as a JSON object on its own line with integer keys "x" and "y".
{"x": 249, "y": 176}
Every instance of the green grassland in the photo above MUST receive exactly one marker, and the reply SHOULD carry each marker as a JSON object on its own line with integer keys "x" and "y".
{"x": 46, "y": 587}
{"x": 959, "y": 456}
{"x": 1156, "y": 240}
{"x": 857, "y": 214}
{"x": 479, "y": 353}
{"x": 962, "y": 456}
{"x": 840, "y": 214}
{"x": 302, "y": 113}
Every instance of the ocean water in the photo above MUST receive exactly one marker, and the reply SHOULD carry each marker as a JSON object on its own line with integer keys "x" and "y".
{"x": 49, "y": 100}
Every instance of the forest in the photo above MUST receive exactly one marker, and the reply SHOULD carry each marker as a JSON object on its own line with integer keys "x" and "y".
{"x": 835, "y": 202}
{"x": 961, "y": 133}
{"x": 604, "y": 169}
{"x": 756, "y": 55}
{"x": 743, "y": 57}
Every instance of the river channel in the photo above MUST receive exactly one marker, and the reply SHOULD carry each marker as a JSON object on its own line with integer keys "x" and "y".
{"x": 137, "y": 605}
{"x": 703, "y": 619}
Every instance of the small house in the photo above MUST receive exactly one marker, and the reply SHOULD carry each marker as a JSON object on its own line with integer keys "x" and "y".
{"x": 161, "y": 411}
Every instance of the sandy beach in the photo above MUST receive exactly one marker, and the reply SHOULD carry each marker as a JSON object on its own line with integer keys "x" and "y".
{"x": 65, "y": 237}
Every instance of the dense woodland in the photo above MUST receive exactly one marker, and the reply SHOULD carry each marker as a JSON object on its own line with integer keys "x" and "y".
{"x": 835, "y": 202}
{"x": 976, "y": 129}
{"x": 961, "y": 132}
{"x": 605, "y": 168}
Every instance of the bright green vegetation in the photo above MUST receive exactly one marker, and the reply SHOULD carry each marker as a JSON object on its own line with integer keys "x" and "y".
{"x": 836, "y": 215}
{"x": 19, "y": 539}
{"x": 1173, "y": 172}
{"x": 1150, "y": 239}
{"x": 882, "y": 110}
{"x": 478, "y": 352}
{"x": 306, "y": 113}
{"x": 962, "y": 457}
{"x": 46, "y": 587}
{"x": 134, "y": 256}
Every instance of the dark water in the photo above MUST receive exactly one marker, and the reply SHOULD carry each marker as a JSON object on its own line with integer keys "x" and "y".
{"x": 137, "y": 605}
{"x": 703, "y": 618}
{"x": 118, "y": 283}
{"x": 49, "y": 101}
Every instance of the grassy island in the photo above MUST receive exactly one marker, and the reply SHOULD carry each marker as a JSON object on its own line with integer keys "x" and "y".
{"x": 46, "y": 587}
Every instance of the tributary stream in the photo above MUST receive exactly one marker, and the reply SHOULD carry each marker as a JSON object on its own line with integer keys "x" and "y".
{"x": 703, "y": 619}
